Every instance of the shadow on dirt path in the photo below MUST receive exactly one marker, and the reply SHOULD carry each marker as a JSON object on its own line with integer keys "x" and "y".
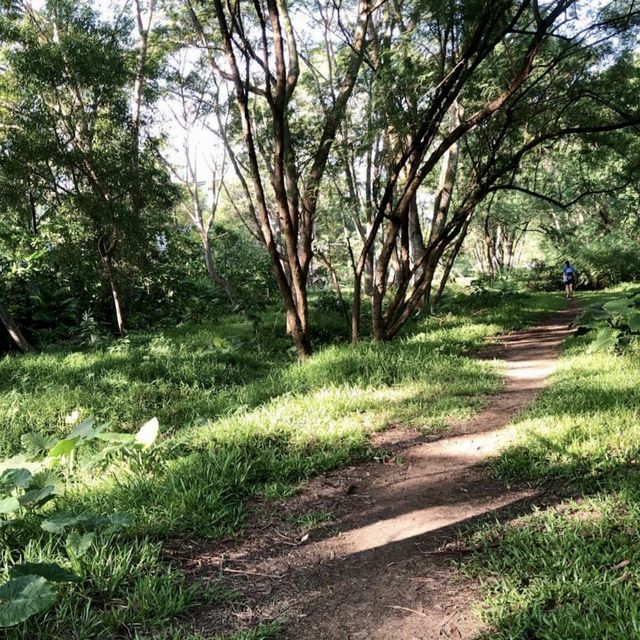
{"x": 383, "y": 570}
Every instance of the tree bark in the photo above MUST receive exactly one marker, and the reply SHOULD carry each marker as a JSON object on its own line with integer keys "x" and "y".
{"x": 14, "y": 331}
{"x": 448, "y": 264}
{"x": 356, "y": 310}
{"x": 447, "y": 180}
{"x": 216, "y": 276}
{"x": 106, "y": 254}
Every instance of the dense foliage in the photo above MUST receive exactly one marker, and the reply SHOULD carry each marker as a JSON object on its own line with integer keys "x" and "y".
{"x": 143, "y": 181}
{"x": 203, "y": 203}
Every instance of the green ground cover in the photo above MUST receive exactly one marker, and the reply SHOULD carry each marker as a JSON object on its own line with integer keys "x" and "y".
{"x": 572, "y": 570}
{"x": 239, "y": 417}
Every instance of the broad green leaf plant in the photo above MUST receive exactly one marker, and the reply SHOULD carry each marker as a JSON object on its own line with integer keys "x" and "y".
{"x": 616, "y": 322}
{"x": 40, "y": 475}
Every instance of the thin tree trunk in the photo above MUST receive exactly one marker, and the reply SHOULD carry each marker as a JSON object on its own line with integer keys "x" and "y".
{"x": 415, "y": 233}
{"x": 107, "y": 261}
{"x": 356, "y": 310}
{"x": 448, "y": 265}
{"x": 447, "y": 180}
{"x": 14, "y": 331}
{"x": 335, "y": 282}
{"x": 138, "y": 90}
{"x": 216, "y": 276}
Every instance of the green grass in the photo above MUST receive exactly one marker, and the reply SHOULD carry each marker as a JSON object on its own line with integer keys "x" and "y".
{"x": 312, "y": 520}
{"x": 571, "y": 570}
{"x": 240, "y": 418}
{"x": 261, "y": 632}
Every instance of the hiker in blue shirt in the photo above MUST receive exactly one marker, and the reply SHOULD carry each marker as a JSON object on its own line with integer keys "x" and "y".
{"x": 568, "y": 278}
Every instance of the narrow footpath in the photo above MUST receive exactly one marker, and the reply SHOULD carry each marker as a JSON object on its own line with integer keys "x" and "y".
{"x": 384, "y": 569}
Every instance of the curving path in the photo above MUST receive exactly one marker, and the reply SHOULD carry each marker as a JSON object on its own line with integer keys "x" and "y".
{"x": 385, "y": 571}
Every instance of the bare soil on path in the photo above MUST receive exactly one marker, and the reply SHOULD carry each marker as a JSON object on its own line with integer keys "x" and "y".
{"x": 383, "y": 570}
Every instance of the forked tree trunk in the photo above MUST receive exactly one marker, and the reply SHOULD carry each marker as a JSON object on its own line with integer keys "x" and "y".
{"x": 295, "y": 200}
{"x": 217, "y": 277}
{"x": 14, "y": 330}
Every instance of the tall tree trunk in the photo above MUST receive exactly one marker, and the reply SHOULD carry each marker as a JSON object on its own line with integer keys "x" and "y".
{"x": 448, "y": 264}
{"x": 415, "y": 234}
{"x": 447, "y": 179}
{"x": 356, "y": 310}
{"x": 138, "y": 91}
{"x": 214, "y": 274}
{"x": 380, "y": 281}
{"x": 106, "y": 254}
{"x": 14, "y": 330}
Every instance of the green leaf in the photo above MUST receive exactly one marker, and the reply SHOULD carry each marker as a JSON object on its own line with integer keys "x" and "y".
{"x": 605, "y": 339}
{"x": 617, "y": 306}
{"x": 634, "y": 321}
{"x": 20, "y": 462}
{"x": 63, "y": 447}
{"x": 78, "y": 544}
{"x": 48, "y": 570}
{"x": 118, "y": 521}
{"x": 118, "y": 438}
{"x": 37, "y": 496}
{"x": 23, "y": 597}
{"x": 35, "y": 444}
{"x": 148, "y": 433}
{"x": 9, "y": 505}
{"x": 591, "y": 317}
{"x": 58, "y": 524}
{"x": 85, "y": 430}
{"x": 12, "y": 478}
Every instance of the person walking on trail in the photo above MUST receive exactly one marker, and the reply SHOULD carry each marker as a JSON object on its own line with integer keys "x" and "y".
{"x": 568, "y": 278}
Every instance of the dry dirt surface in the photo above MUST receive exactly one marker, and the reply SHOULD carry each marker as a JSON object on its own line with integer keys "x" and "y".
{"x": 383, "y": 568}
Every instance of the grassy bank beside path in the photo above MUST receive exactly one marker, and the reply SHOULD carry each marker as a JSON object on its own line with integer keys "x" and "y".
{"x": 571, "y": 570}
{"x": 239, "y": 417}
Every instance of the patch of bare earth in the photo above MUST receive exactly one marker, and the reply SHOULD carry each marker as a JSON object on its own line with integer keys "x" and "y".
{"x": 382, "y": 568}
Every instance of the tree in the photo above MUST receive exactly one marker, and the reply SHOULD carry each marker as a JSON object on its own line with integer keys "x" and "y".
{"x": 281, "y": 176}
{"x": 68, "y": 89}
{"x": 521, "y": 72}
{"x": 191, "y": 114}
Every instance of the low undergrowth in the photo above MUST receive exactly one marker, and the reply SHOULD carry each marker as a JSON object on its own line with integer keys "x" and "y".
{"x": 571, "y": 570}
{"x": 239, "y": 417}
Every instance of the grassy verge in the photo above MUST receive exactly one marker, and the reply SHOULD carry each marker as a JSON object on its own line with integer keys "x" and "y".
{"x": 572, "y": 570}
{"x": 239, "y": 417}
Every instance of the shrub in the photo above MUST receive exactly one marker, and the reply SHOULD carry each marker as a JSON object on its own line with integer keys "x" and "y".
{"x": 617, "y": 322}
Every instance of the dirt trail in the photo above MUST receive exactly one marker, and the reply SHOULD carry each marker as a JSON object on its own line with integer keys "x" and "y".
{"x": 384, "y": 571}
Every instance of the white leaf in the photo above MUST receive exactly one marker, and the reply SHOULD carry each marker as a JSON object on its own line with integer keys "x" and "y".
{"x": 73, "y": 417}
{"x": 148, "y": 433}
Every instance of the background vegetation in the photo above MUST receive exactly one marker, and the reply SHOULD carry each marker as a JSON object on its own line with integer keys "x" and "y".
{"x": 237, "y": 239}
